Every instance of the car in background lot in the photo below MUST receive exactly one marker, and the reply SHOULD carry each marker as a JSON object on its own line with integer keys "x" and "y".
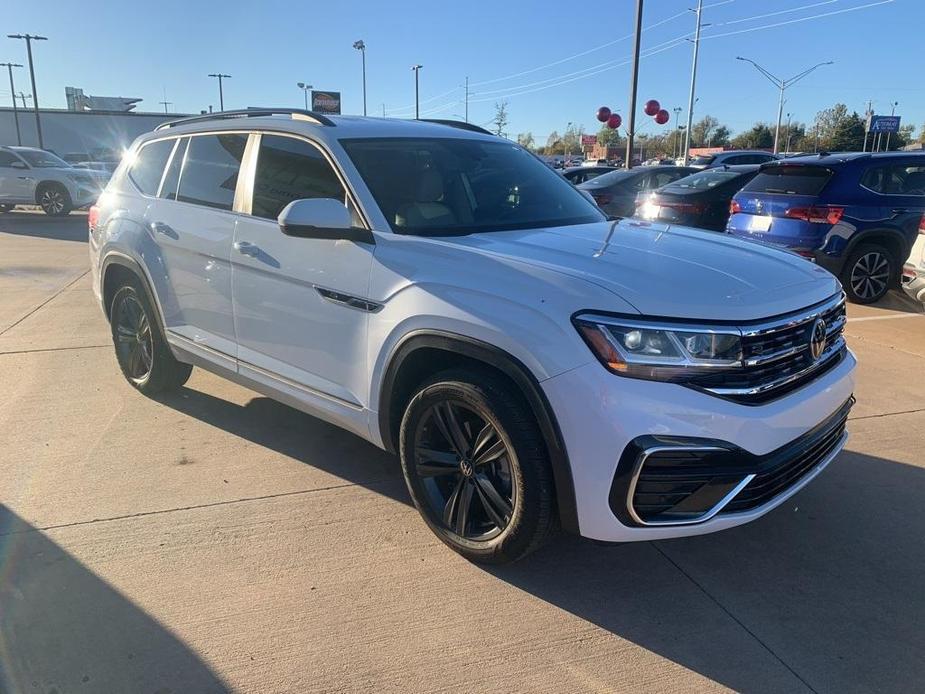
{"x": 580, "y": 174}
{"x": 31, "y": 176}
{"x": 914, "y": 269}
{"x": 700, "y": 200}
{"x": 441, "y": 293}
{"x": 616, "y": 192}
{"x": 857, "y": 215}
{"x": 733, "y": 157}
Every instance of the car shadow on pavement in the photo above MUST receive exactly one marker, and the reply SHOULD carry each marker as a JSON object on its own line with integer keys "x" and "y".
{"x": 73, "y": 227}
{"x": 63, "y": 629}
{"x": 297, "y": 435}
{"x": 832, "y": 583}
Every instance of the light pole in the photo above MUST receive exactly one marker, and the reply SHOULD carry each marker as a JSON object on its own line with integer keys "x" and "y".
{"x": 677, "y": 131}
{"x": 361, "y": 47}
{"x": 29, "y": 38}
{"x": 787, "y": 147}
{"x": 304, "y": 87}
{"x": 892, "y": 113}
{"x": 417, "y": 110}
{"x": 10, "y": 66}
{"x": 467, "y": 98}
{"x": 221, "y": 94}
{"x": 690, "y": 99}
{"x": 634, "y": 83}
{"x": 782, "y": 85}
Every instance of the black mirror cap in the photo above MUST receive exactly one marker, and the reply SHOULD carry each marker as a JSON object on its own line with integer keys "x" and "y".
{"x": 306, "y": 231}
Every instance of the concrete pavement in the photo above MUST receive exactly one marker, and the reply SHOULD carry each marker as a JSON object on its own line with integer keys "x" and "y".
{"x": 218, "y": 541}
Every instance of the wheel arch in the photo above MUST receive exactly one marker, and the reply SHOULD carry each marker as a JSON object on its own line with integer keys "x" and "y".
{"x": 424, "y": 353}
{"x": 892, "y": 239}
{"x": 41, "y": 185}
{"x": 116, "y": 267}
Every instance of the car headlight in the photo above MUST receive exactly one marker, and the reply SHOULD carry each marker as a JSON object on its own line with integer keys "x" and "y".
{"x": 660, "y": 351}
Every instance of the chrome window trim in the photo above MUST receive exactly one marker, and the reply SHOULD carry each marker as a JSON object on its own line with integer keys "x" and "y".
{"x": 637, "y": 471}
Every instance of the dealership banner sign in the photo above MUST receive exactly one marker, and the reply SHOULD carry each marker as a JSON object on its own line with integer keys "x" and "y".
{"x": 883, "y": 124}
{"x": 326, "y": 102}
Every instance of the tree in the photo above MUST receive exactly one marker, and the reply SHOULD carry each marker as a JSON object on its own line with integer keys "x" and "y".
{"x": 525, "y": 140}
{"x": 608, "y": 136}
{"x": 760, "y": 136}
{"x": 500, "y": 120}
{"x": 708, "y": 132}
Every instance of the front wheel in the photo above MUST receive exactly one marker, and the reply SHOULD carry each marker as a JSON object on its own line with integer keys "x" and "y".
{"x": 54, "y": 200}
{"x": 868, "y": 272}
{"x": 477, "y": 468}
{"x": 141, "y": 350}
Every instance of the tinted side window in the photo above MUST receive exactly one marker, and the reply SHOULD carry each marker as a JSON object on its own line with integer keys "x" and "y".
{"x": 6, "y": 158}
{"x": 897, "y": 179}
{"x": 148, "y": 166}
{"x": 172, "y": 177}
{"x": 210, "y": 172}
{"x": 287, "y": 170}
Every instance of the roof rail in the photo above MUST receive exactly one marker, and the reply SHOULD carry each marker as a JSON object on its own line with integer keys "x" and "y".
{"x": 295, "y": 113}
{"x": 462, "y": 125}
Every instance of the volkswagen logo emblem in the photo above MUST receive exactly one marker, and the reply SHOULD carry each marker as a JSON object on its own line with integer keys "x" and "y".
{"x": 817, "y": 339}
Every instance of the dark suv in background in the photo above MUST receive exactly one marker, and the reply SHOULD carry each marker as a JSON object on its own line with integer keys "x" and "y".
{"x": 855, "y": 214}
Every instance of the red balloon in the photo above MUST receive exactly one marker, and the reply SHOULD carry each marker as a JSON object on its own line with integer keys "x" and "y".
{"x": 652, "y": 107}
{"x": 662, "y": 117}
{"x": 614, "y": 121}
{"x": 603, "y": 113}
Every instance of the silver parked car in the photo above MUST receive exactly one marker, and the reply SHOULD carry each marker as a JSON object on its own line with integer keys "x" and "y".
{"x": 32, "y": 176}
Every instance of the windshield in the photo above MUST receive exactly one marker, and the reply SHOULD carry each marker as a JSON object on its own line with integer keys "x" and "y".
{"x": 703, "y": 160}
{"x": 38, "y": 159}
{"x": 444, "y": 186}
{"x": 612, "y": 178}
{"x": 702, "y": 181}
{"x": 790, "y": 179}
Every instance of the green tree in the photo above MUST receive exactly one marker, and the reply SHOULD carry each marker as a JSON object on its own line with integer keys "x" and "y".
{"x": 608, "y": 136}
{"x": 760, "y": 136}
{"x": 499, "y": 122}
{"x": 526, "y": 140}
{"x": 709, "y": 132}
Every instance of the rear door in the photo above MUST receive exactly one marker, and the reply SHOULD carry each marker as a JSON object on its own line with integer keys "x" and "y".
{"x": 193, "y": 224}
{"x": 299, "y": 303}
{"x": 899, "y": 192}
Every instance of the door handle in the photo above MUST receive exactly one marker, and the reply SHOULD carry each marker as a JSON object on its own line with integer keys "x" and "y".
{"x": 246, "y": 248}
{"x": 161, "y": 228}
{"x": 899, "y": 210}
{"x": 25, "y": 178}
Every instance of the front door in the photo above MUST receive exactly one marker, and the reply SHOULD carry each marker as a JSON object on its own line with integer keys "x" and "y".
{"x": 298, "y": 302}
{"x": 193, "y": 224}
{"x": 16, "y": 184}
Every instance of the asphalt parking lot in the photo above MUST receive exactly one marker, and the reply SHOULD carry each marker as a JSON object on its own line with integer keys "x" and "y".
{"x": 216, "y": 540}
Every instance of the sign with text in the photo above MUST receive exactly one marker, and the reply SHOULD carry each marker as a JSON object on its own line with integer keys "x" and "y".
{"x": 883, "y": 124}
{"x": 589, "y": 140}
{"x": 326, "y": 102}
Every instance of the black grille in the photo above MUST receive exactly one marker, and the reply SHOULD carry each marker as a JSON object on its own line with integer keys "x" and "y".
{"x": 793, "y": 368}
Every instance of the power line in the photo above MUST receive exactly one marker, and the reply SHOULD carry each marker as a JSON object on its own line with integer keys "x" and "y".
{"x": 801, "y": 19}
{"x": 774, "y": 14}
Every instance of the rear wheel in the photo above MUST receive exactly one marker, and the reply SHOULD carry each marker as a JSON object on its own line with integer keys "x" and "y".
{"x": 54, "y": 199}
{"x": 868, "y": 273}
{"x": 6, "y": 208}
{"x": 141, "y": 350}
{"x": 477, "y": 468}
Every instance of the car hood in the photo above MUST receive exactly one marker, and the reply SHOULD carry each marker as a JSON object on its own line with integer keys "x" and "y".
{"x": 669, "y": 271}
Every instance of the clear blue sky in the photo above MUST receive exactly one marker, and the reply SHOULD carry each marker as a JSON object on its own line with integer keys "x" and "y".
{"x": 140, "y": 49}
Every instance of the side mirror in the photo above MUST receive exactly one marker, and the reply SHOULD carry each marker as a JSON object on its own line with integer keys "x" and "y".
{"x": 18, "y": 165}
{"x": 321, "y": 218}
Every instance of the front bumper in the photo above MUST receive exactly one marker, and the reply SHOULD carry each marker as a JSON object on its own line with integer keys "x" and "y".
{"x": 601, "y": 415}
{"x": 913, "y": 282}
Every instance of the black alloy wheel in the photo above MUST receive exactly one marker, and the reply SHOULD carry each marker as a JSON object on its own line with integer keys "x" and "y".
{"x": 134, "y": 341}
{"x": 465, "y": 468}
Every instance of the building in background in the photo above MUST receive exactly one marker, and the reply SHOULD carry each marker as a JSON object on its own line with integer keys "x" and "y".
{"x": 78, "y": 101}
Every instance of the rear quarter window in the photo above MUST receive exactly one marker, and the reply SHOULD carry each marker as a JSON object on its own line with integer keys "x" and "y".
{"x": 790, "y": 180}
{"x": 895, "y": 179}
{"x": 148, "y": 165}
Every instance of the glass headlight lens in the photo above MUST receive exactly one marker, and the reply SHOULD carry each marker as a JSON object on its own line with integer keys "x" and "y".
{"x": 660, "y": 352}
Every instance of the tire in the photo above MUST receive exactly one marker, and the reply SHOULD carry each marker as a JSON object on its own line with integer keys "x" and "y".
{"x": 6, "y": 208}
{"x": 868, "y": 273}
{"x": 488, "y": 494}
{"x": 54, "y": 200}
{"x": 141, "y": 349}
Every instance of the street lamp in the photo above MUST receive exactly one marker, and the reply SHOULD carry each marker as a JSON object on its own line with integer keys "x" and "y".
{"x": 417, "y": 110}
{"x": 361, "y": 47}
{"x": 782, "y": 85}
{"x": 221, "y": 94}
{"x": 677, "y": 130}
{"x": 892, "y": 113}
{"x": 304, "y": 87}
{"x": 787, "y": 147}
{"x": 29, "y": 38}
{"x": 10, "y": 66}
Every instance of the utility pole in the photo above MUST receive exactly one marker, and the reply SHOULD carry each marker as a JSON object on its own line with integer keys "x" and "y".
{"x": 677, "y": 131}
{"x": 867, "y": 125}
{"x": 782, "y": 85}
{"x": 10, "y": 66}
{"x": 634, "y": 84}
{"x": 787, "y": 147}
{"x": 417, "y": 103}
{"x": 892, "y": 113}
{"x": 304, "y": 87}
{"x": 166, "y": 104}
{"x": 221, "y": 94}
{"x": 383, "y": 110}
{"x": 29, "y": 38}
{"x": 467, "y": 98}
{"x": 361, "y": 47}
{"x": 24, "y": 96}
{"x": 690, "y": 100}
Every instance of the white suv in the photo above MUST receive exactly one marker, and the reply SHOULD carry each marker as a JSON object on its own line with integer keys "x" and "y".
{"x": 442, "y": 293}
{"x": 31, "y": 176}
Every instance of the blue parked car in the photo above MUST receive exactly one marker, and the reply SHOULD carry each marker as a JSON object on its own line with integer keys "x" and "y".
{"x": 855, "y": 214}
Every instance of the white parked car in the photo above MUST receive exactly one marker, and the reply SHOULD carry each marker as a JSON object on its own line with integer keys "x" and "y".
{"x": 31, "y": 176}
{"x": 913, "y": 278}
{"x": 438, "y": 291}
